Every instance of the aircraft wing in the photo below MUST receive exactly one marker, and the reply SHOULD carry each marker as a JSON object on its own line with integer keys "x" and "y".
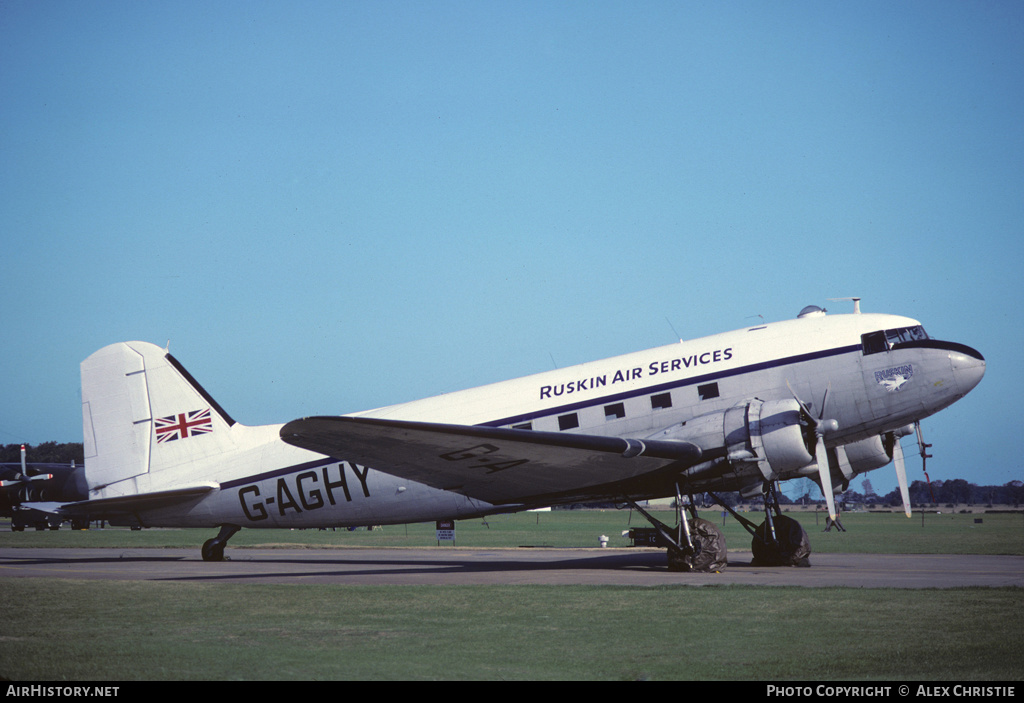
{"x": 496, "y": 465}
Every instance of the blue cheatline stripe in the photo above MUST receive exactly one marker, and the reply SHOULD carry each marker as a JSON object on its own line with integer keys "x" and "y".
{"x": 662, "y": 387}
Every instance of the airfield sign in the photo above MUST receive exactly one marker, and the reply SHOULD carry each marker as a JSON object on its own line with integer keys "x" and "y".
{"x": 445, "y": 531}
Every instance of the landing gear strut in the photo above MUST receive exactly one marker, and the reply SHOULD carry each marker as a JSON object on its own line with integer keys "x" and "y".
{"x": 779, "y": 540}
{"x": 694, "y": 544}
{"x": 213, "y": 549}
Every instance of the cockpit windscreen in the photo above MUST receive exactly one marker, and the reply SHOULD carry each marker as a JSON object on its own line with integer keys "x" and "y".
{"x": 884, "y": 340}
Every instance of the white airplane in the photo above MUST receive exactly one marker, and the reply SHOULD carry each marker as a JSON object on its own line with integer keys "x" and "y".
{"x": 821, "y": 396}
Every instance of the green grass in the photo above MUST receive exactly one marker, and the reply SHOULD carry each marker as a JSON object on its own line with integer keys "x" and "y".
{"x": 93, "y": 630}
{"x": 875, "y": 533}
{"x": 119, "y": 631}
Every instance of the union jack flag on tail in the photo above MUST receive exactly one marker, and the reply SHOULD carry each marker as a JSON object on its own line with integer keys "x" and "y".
{"x": 183, "y": 425}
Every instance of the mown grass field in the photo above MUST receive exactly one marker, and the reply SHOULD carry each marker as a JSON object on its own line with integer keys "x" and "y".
{"x": 145, "y": 631}
{"x": 106, "y": 631}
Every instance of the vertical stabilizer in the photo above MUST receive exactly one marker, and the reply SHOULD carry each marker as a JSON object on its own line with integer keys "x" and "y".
{"x": 143, "y": 414}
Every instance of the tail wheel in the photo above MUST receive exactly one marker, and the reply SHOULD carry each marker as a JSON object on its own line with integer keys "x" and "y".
{"x": 212, "y": 551}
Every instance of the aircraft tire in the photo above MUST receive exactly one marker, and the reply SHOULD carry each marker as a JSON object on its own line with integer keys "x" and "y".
{"x": 213, "y": 551}
{"x": 794, "y": 548}
{"x": 712, "y": 555}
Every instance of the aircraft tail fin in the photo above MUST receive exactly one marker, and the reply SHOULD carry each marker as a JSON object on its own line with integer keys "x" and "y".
{"x": 143, "y": 414}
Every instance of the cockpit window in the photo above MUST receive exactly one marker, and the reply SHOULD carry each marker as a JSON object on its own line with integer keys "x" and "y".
{"x": 873, "y": 342}
{"x": 905, "y": 334}
{"x": 884, "y": 340}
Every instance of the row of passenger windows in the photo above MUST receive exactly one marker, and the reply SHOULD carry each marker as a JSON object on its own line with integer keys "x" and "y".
{"x": 617, "y": 411}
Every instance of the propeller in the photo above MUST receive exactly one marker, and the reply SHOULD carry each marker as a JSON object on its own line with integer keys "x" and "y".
{"x": 899, "y": 461}
{"x": 821, "y": 428}
{"x": 901, "y": 472}
{"x": 22, "y": 480}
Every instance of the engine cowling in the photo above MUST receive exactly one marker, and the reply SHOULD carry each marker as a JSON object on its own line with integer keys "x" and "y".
{"x": 772, "y": 435}
{"x": 867, "y": 454}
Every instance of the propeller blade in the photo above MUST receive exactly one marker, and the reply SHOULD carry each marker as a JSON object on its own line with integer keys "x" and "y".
{"x": 826, "y": 476}
{"x": 802, "y": 404}
{"x": 821, "y": 426}
{"x": 824, "y": 401}
{"x": 901, "y": 474}
{"x": 22, "y": 479}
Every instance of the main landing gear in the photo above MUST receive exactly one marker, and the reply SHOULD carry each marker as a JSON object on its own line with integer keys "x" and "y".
{"x": 694, "y": 544}
{"x": 779, "y": 540}
{"x": 213, "y": 549}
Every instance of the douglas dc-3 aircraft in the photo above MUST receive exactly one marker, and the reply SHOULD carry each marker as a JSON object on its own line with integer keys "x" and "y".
{"x": 822, "y": 396}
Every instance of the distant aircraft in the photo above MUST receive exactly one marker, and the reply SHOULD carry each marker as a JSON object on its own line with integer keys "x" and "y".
{"x": 821, "y": 396}
{"x": 25, "y": 482}
{"x": 21, "y": 482}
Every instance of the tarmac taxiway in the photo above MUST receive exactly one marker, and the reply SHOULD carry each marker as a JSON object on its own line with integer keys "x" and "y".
{"x": 466, "y": 566}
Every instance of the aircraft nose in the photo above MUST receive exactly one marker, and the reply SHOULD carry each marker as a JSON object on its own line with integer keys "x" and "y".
{"x": 968, "y": 368}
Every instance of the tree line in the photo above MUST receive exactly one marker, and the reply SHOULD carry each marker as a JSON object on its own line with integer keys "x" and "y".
{"x": 45, "y": 453}
{"x": 955, "y": 491}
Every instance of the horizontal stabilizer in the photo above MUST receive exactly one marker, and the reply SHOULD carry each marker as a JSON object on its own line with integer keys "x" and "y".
{"x": 102, "y": 508}
{"x": 496, "y": 465}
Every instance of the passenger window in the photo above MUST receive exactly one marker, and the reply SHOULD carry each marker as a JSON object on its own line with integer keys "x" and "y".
{"x": 523, "y": 426}
{"x": 662, "y": 401}
{"x": 568, "y": 422}
{"x": 707, "y": 391}
{"x": 614, "y": 412}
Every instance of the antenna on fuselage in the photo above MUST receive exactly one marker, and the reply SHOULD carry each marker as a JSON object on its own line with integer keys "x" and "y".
{"x": 856, "y": 303}
{"x": 673, "y": 328}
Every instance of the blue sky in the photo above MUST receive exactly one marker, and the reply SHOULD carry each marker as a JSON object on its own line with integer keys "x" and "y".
{"x": 332, "y": 206}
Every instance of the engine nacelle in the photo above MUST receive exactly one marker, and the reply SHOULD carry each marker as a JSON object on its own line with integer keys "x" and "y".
{"x": 868, "y": 454}
{"x": 769, "y": 434}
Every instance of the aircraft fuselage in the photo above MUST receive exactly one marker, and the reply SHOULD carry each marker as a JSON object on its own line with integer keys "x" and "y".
{"x": 874, "y": 382}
